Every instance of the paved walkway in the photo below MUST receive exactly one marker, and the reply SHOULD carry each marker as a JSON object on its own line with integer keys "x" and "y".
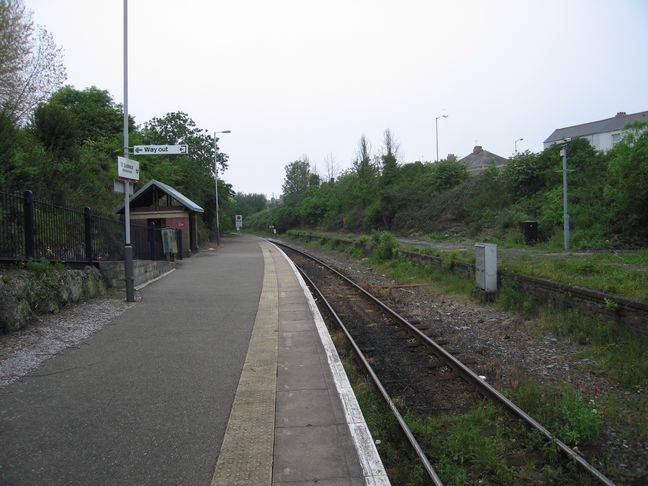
{"x": 221, "y": 361}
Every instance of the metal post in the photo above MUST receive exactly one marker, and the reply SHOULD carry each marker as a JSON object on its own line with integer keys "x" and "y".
{"x": 28, "y": 211}
{"x": 87, "y": 225}
{"x": 216, "y": 191}
{"x": 563, "y": 152}
{"x": 128, "y": 249}
{"x": 436, "y": 129}
{"x": 436, "y": 136}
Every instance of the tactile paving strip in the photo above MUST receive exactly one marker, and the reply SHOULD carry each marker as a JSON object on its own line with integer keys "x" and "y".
{"x": 247, "y": 451}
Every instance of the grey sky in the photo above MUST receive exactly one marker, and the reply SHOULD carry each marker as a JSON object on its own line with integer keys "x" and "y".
{"x": 302, "y": 77}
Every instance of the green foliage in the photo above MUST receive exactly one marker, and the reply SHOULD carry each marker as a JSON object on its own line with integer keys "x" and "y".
{"x": 383, "y": 246}
{"x": 628, "y": 182}
{"x": 249, "y": 204}
{"x": 464, "y": 447}
{"x": 608, "y": 194}
{"x": 563, "y": 410}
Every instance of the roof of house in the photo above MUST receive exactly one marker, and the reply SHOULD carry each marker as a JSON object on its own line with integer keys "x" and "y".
{"x": 617, "y": 122}
{"x": 481, "y": 159}
{"x": 181, "y": 198}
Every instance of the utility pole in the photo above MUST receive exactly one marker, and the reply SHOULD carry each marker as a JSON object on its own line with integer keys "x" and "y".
{"x": 563, "y": 152}
{"x": 128, "y": 249}
{"x": 216, "y": 183}
{"x": 436, "y": 129}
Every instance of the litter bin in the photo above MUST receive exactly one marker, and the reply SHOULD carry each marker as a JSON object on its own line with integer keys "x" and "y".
{"x": 530, "y": 231}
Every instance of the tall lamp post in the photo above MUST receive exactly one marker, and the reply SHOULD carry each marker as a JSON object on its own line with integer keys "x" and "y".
{"x": 216, "y": 183}
{"x": 563, "y": 152}
{"x": 128, "y": 249}
{"x": 518, "y": 140}
{"x": 436, "y": 129}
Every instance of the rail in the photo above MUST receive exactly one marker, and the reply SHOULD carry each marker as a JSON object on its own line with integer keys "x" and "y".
{"x": 466, "y": 373}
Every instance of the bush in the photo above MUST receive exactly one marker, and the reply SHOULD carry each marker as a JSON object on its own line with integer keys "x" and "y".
{"x": 384, "y": 246}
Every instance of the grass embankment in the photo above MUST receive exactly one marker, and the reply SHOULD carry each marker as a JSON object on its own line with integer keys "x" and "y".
{"x": 574, "y": 412}
{"x": 618, "y": 272}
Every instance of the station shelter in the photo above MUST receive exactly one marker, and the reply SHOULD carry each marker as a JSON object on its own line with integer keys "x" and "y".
{"x": 161, "y": 206}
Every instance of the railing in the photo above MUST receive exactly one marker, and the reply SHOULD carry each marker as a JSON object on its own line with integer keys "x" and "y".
{"x": 31, "y": 229}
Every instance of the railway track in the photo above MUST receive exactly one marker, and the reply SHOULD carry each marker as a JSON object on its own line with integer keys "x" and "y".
{"x": 416, "y": 375}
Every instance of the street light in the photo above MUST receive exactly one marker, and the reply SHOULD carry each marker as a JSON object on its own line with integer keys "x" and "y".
{"x": 216, "y": 183}
{"x": 436, "y": 128}
{"x": 563, "y": 151}
{"x": 518, "y": 140}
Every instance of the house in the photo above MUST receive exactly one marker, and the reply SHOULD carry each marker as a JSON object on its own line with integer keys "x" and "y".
{"x": 602, "y": 134}
{"x": 481, "y": 159}
{"x": 162, "y": 206}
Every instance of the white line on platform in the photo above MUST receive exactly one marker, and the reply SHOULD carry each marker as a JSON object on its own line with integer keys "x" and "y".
{"x": 372, "y": 466}
{"x": 141, "y": 286}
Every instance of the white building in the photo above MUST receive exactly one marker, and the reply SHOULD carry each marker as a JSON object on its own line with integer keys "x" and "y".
{"x": 602, "y": 134}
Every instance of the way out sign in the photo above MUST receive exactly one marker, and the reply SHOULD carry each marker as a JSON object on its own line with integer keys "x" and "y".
{"x": 127, "y": 169}
{"x": 161, "y": 149}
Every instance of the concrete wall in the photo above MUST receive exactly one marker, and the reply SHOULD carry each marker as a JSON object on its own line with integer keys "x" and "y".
{"x": 143, "y": 270}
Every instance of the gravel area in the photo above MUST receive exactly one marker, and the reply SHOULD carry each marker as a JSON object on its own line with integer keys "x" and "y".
{"x": 509, "y": 351}
{"x": 23, "y": 351}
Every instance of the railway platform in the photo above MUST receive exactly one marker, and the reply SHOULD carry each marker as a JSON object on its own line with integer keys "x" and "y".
{"x": 223, "y": 374}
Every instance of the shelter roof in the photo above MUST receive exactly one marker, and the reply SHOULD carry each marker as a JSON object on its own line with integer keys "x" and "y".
{"x": 147, "y": 188}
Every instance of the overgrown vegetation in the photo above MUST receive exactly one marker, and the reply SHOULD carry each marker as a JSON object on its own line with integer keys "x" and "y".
{"x": 575, "y": 411}
{"x": 50, "y": 132}
{"x": 480, "y": 444}
{"x": 608, "y": 195}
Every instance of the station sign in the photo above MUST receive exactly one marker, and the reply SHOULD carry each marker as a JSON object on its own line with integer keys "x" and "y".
{"x": 127, "y": 169}
{"x": 161, "y": 149}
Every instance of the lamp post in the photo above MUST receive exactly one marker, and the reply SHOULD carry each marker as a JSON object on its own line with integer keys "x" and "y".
{"x": 216, "y": 183}
{"x": 566, "y": 235}
{"x": 128, "y": 249}
{"x": 518, "y": 140}
{"x": 436, "y": 129}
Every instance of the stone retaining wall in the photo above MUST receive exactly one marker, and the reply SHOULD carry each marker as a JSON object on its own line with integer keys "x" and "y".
{"x": 143, "y": 271}
{"x": 25, "y": 293}
{"x": 628, "y": 313}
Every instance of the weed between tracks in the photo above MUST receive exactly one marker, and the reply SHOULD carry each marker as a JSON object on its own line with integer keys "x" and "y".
{"x": 610, "y": 352}
{"x": 481, "y": 446}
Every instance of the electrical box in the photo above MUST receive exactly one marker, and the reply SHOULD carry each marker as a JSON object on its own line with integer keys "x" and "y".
{"x": 486, "y": 266}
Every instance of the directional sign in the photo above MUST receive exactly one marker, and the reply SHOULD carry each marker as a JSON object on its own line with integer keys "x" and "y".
{"x": 161, "y": 149}
{"x": 127, "y": 169}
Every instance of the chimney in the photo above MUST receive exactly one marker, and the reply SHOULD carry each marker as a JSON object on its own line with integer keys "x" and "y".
{"x": 620, "y": 113}
{"x": 477, "y": 149}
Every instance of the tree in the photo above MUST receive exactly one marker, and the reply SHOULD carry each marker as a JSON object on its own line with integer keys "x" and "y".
{"x": 628, "y": 182}
{"x": 388, "y": 176}
{"x": 248, "y": 204}
{"x": 447, "y": 173}
{"x": 366, "y": 182}
{"x": 296, "y": 181}
{"x": 31, "y": 65}
{"x": 193, "y": 173}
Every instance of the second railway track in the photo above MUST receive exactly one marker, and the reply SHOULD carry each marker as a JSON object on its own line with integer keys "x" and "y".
{"x": 422, "y": 379}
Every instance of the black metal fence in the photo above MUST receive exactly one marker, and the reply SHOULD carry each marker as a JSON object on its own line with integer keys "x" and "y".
{"x": 32, "y": 229}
